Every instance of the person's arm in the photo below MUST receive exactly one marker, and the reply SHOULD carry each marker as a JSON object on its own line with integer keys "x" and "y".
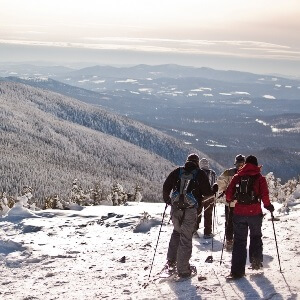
{"x": 168, "y": 185}
{"x": 203, "y": 182}
{"x": 230, "y": 191}
{"x": 223, "y": 181}
{"x": 264, "y": 191}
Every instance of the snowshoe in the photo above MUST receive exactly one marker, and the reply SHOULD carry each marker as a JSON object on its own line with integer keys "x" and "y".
{"x": 168, "y": 270}
{"x": 256, "y": 265}
{"x": 188, "y": 275}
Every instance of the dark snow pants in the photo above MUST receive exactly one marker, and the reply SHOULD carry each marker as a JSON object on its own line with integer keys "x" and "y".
{"x": 239, "y": 252}
{"x": 229, "y": 223}
{"x": 180, "y": 245}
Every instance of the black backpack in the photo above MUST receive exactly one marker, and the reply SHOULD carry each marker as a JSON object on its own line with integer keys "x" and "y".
{"x": 244, "y": 192}
{"x": 182, "y": 197}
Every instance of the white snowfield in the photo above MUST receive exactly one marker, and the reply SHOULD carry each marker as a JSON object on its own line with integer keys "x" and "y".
{"x": 105, "y": 252}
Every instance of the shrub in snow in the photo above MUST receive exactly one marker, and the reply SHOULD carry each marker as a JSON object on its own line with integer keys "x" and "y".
{"x": 283, "y": 193}
{"x": 79, "y": 196}
{"x": 137, "y": 194}
{"x": 53, "y": 202}
{"x": 4, "y": 208}
{"x": 145, "y": 223}
{"x": 117, "y": 195}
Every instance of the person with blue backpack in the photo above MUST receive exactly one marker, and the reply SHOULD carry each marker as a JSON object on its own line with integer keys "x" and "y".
{"x": 184, "y": 189}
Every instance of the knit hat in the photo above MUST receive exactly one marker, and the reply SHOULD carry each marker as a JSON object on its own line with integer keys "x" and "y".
{"x": 204, "y": 163}
{"x": 239, "y": 159}
{"x": 193, "y": 158}
{"x": 251, "y": 159}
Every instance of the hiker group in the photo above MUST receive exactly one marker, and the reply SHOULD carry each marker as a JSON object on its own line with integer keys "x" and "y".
{"x": 194, "y": 188}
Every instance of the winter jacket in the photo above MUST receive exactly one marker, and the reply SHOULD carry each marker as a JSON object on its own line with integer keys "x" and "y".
{"x": 211, "y": 175}
{"x": 260, "y": 188}
{"x": 224, "y": 180}
{"x": 202, "y": 184}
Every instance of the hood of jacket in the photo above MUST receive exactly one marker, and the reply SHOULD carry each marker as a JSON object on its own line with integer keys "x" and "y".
{"x": 249, "y": 169}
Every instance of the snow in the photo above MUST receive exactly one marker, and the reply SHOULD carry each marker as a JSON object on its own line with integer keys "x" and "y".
{"x": 105, "y": 252}
{"x": 126, "y": 81}
{"x": 99, "y": 81}
{"x": 269, "y": 97}
{"x": 225, "y": 94}
{"x": 241, "y": 93}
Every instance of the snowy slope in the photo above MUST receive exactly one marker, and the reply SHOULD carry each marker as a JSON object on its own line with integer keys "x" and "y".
{"x": 79, "y": 254}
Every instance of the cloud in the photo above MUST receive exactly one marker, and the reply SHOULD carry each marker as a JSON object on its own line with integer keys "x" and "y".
{"x": 251, "y": 49}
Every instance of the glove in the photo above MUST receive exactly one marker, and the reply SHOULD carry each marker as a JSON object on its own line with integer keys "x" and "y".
{"x": 215, "y": 188}
{"x": 270, "y": 208}
{"x": 168, "y": 201}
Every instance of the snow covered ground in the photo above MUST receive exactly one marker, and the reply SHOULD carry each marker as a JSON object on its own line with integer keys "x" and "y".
{"x": 105, "y": 252}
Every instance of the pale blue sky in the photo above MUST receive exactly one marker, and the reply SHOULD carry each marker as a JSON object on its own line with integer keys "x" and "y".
{"x": 256, "y": 35}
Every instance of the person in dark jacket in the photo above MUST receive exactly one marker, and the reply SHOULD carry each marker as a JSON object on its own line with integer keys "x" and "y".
{"x": 248, "y": 215}
{"x": 184, "y": 219}
{"x": 223, "y": 182}
{"x": 207, "y": 204}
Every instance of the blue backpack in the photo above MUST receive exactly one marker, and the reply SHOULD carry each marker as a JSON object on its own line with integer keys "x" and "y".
{"x": 182, "y": 197}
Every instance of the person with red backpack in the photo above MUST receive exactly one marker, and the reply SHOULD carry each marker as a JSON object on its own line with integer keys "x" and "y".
{"x": 249, "y": 188}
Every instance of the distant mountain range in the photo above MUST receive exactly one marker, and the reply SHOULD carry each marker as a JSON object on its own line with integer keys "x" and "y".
{"x": 48, "y": 140}
{"x": 220, "y": 113}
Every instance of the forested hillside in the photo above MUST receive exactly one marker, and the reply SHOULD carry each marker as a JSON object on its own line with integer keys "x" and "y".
{"x": 48, "y": 140}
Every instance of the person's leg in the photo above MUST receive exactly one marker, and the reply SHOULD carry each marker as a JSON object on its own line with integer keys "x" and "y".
{"x": 208, "y": 217}
{"x": 239, "y": 252}
{"x": 184, "y": 251}
{"x": 256, "y": 244}
{"x": 199, "y": 213}
{"x": 229, "y": 224}
{"x": 175, "y": 237}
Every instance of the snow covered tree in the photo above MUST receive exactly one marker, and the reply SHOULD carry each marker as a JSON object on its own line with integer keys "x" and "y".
{"x": 4, "y": 208}
{"x": 117, "y": 195}
{"x": 137, "y": 193}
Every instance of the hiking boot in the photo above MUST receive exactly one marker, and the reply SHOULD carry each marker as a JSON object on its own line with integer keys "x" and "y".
{"x": 208, "y": 236}
{"x": 256, "y": 265}
{"x": 234, "y": 276}
{"x": 229, "y": 245}
{"x": 190, "y": 273}
{"x": 170, "y": 265}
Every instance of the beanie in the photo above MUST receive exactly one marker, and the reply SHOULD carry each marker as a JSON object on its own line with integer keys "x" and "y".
{"x": 193, "y": 157}
{"x": 204, "y": 163}
{"x": 239, "y": 159}
{"x": 251, "y": 159}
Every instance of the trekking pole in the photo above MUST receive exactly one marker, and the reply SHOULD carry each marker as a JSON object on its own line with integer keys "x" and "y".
{"x": 209, "y": 259}
{"x": 272, "y": 218}
{"x": 162, "y": 221}
{"x": 225, "y": 234}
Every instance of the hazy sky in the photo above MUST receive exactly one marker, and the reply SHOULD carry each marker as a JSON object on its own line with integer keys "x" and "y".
{"x": 253, "y": 35}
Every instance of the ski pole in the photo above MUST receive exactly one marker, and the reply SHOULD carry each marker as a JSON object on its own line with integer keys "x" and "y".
{"x": 225, "y": 234}
{"x": 162, "y": 221}
{"x": 209, "y": 259}
{"x": 272, "y": 218}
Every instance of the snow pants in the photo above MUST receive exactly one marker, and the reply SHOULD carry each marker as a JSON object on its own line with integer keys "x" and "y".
{"x": 241, "y": 224}
{"x": 180, "y": 245}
